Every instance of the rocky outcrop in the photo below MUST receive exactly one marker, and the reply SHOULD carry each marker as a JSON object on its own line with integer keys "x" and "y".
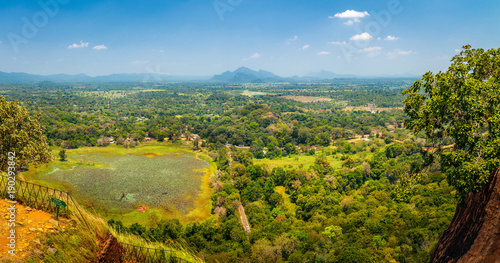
{"x": 474, "y": 232}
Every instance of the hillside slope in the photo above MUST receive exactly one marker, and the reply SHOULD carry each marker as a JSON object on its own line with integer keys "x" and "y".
{"x": 32, "y": 226}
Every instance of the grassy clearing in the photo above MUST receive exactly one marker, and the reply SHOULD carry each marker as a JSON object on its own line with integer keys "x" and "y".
{"x": 305, "y": 161}
{"x": 297, "y": 161}
{"x": 306, "y": 99}
{"x": 155, "y": 148}
{"x": 371, "y": 109}
{"x": 149, "y": 218}
{"x": 286, "y": 199}
{"x": 252, "y": 93}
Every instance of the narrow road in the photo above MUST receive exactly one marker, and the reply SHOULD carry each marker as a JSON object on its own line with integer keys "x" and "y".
{"x": 229, "y": 156}
{"x": 243, "y": 218}
{"x": 241, "y": 210}
{"x": 431, "y": 149}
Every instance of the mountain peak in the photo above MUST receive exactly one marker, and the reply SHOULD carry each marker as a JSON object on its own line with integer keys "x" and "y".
{"x": 247, "y": 75}
{"x": 243, "y": 69}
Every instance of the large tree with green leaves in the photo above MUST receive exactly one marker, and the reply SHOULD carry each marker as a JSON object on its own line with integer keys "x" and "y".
{"x": 22, "y": 134}
{"x": 460, "y": 109}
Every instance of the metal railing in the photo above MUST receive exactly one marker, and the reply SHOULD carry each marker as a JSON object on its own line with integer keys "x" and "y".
{"x": 40, "y": 197}
{"x": 35, "y": 196}
{"x": 150, "y": 255}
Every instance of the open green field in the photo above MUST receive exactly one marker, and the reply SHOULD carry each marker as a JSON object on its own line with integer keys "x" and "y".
{"x": 170, "y": 181}
{"x": 304, "y": 161}
{"x": 297, "y": 161}
{"x": 253, "y": 93}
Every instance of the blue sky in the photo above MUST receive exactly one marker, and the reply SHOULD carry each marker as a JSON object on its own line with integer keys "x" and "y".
{"x": 205, "y": 37}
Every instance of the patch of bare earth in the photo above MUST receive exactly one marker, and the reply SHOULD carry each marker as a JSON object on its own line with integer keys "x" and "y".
{"x": 30, "y": 227}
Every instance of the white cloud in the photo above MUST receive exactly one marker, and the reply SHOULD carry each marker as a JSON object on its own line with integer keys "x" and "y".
{"x": 323, "y": 53}
{"x": 390, "y": 38}
{"x": 402, "y": 52}
{"x": 350, "y": 14}
{"x": 290, "y": 40}
{"x": 60, "y": 60}
{"x": 337, "y": 43}
{"x": 81, "y": 45}
{"x": 353, "y": 16}
{"x": 372, "y": 51}
{"x": 351, "y": 22}
{"x": 161, "y": 51}
{"x": 306, "y": 47}
{"x": 100, "y": 47}
{"x": 398, "y": 52}
{"x": 256, "y": 55}
{"x": 457, "y": 50}
{"x": 361, "y": 37}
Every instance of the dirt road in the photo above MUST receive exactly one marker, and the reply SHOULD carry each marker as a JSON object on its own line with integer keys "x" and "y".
{"x": 241, "y": 210}
{"x": 243, "y": 218}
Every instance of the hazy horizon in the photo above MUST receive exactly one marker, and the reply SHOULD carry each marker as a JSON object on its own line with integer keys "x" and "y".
{"x": 310, "y": 74}
{"x": 195, "y": 38}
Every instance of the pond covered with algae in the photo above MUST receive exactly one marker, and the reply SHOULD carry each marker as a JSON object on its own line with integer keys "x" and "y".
{"x": 119, "y": 183}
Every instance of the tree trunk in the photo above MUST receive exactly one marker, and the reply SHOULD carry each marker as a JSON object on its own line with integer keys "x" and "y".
{"x": 474, "y": 232}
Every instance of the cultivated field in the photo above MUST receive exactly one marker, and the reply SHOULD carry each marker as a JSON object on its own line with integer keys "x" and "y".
{"x": 253, "y": 93}
{"x": 307, "y": 99}
{"x": 370, "y": 109}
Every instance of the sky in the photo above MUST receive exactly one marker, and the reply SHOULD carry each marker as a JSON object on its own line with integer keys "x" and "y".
{"x": 206, "y": 37}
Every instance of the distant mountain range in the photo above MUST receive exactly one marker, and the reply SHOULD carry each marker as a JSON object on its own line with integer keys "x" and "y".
{"x": 241, "y": 75}
{"x": 15, "y": 77}
{"x": 246, "y": 75}
{"x": 328, "y": 75}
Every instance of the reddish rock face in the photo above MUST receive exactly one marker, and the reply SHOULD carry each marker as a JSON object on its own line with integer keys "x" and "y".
{"x": 474, "y": 232}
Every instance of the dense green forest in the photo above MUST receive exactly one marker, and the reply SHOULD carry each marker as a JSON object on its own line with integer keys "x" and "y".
{"x": 364, "y": 198}
{"x": 79, "y": 116}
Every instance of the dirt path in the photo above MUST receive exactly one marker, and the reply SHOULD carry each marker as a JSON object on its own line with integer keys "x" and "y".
{"x": 229, "y": 156}
{"x": 243, "y": 218}
{"x": 398, "y": 141}
{"x": 429, "y": 149}
{"x": 433, "y": 149}
{"x": 394, "y": 140}
{"x": 241, "y": 210}
{"x": 31, "y": 226}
